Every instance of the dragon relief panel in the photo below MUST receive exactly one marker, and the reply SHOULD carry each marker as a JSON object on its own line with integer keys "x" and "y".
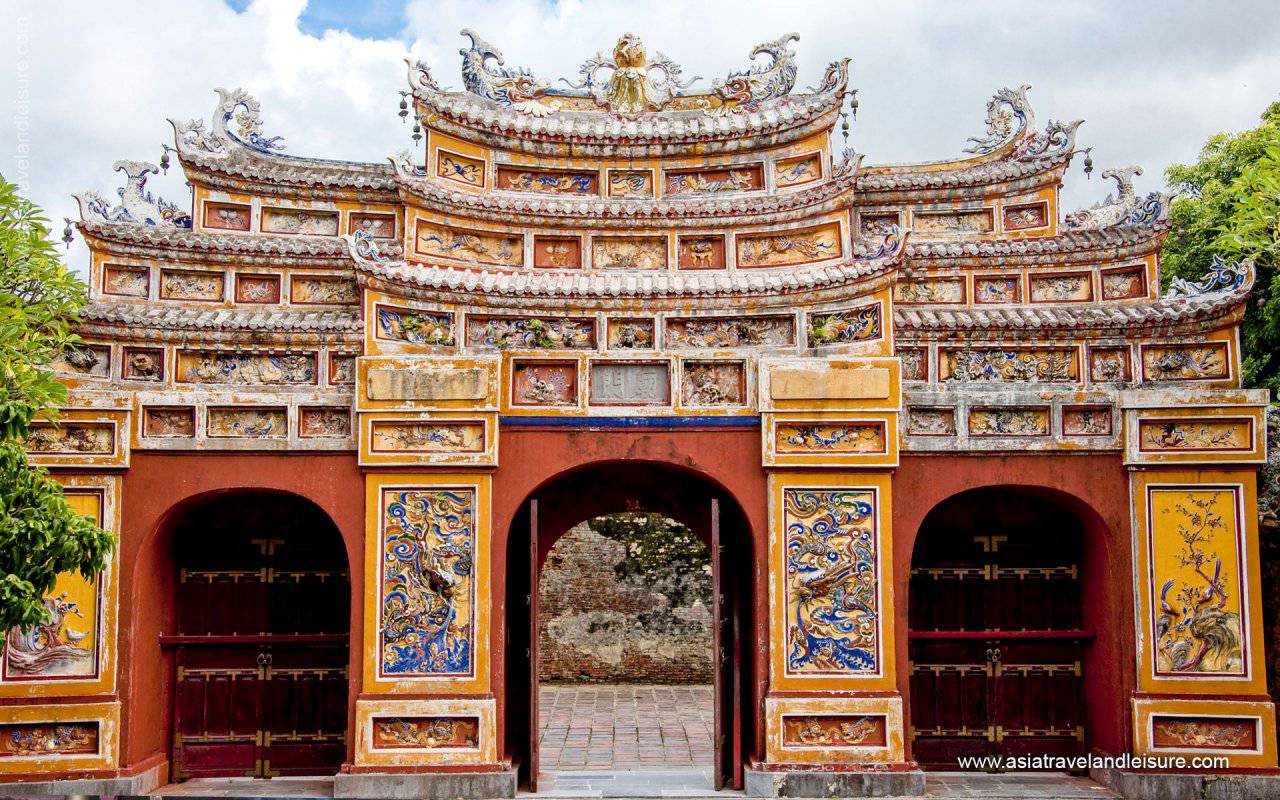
{"x": 997, "y": 289}
{"x": 239, "y": 422}
{"x": 786, "y": 248}
{"x": 426, "y": 619}
{"x": 997, "y": 365}
{"x": 314, "y": 290}
{"x": 629, "y": 252}
{"x": 798, "y": 171}
{"x": 547, "y": 181}
{"x": 830, "y": 437}
{"x": 1204, "y": 733}
{"x": 415, "y": 327}
{"x": 531, "y": 333}
{"x": 630, "y": 183}
{"x": 496, "y": 249}
{"x": 459, "y": 168}
{"x": 738, "y": 178}
{"x": 718, "y": 332}
{"x": 396, "y": 436}
{"x": 844, "y": 327}
{"x": 1198, "y": 435}
{"x": 1032, "y": 421}
{"x": 713, "y": 383}
{"x": 1196, "y": 581}
{"x": 1177, "y": 362}
{"x": 246, "y": 369}
{"x": 425, "y": 733}
{"x": 44, "y": 739}
{"x": 831, "y": 590}
{"x": 191, "y": 285}
{"x": 257, "y": 288}
{"x": 835, "y": 730}
{"x": 929, "y": 290}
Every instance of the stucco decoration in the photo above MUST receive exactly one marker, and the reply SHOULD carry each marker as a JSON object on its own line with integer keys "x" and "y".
{"x": 1223, "y": 276}
{"x": 514, "y": 88}
{"x": 748, "y": 89}
{"x": 237, "y": 118}
{"x": 427, "y": 582}
{"x": 1008, "y": 114}
{"x": 631, "y": 87}
{"x": 137, "y": 206}
{"x": 1122, "y": 208}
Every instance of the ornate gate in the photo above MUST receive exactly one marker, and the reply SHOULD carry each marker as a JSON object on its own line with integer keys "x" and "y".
{"x": 262, "y": 650}
{"x": 995, "y": 642}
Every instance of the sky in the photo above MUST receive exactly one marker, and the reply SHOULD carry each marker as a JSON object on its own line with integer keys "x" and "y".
{"x": 86, "y": 82}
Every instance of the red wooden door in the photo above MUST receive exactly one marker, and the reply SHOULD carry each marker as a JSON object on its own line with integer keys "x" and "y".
{"x": 261, "y": 653}
{"x": 534, "y": 727}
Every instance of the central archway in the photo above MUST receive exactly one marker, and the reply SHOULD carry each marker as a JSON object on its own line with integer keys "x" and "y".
{"x": 601, "y": 489}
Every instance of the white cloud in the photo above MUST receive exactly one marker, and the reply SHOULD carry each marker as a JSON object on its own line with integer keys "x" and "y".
{"x": 103, "y": 76}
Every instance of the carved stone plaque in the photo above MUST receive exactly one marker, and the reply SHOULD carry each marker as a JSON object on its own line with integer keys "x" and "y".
{"x": 629, "y": 384}
{"x": 423, "y": 384}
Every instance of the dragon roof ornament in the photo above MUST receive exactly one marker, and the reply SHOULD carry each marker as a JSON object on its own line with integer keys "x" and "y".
{"x": 1010, "y": 117}
{"x": 237, "y": 118}
{"x": 1223, "y": 277}
{"x": 1124, "y": 207}
{"x": 749, "y": 88}
{"x": 137, "y": 206}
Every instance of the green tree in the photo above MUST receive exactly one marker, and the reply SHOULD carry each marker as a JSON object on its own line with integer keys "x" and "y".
{"x": 1230, "y": 205}
{"x": 40, "y": 535}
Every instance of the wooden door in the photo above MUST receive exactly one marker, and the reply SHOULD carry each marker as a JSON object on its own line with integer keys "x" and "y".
{"x": 535, "y": 728}
{"x": 721, "y": 683}
{"x": 995, "y": 646}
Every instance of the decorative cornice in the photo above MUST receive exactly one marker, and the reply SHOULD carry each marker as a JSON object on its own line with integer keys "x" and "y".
{"x": 183, "y": 323}
{"x": 1120, "y": 241}
{"x": 168, "y": 242}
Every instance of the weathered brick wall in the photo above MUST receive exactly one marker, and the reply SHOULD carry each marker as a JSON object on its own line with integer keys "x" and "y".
{"x": 605, "y": 621}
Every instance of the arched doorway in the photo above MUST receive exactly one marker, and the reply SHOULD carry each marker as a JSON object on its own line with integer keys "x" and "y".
{"x": 997, "y": 639}
{"x": 597, "y": 491}
{"x": 261, "y": 641}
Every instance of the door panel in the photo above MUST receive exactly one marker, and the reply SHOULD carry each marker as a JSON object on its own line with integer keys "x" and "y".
{"x": 534, "y": 728}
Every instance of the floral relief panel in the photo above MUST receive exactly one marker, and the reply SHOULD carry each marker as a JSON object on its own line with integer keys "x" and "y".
{"x": 557, "y": 252}
{"x": 1124, "y": 284}
{"x": 1195, "y": 435}
{"x": 232, "y": 422}
{"x": 500, "y": 250}
{"x": 784, "y": 248}
{"x": 933, "y": 290}
{"x": 1024, "y": 217}
{"x": 531, "y": 333}
{"x": 126, "y": 281}
{"x": 227, "y": 216}
{"x": 426, "y": 437}
{"x": 415, "y": 327}
{"x": 241, "y": 369}
{"x": 942, "y": 223}
{"x": 190, "y": 285}
{"x": 717, "y": 332}
{"x": 1086, "y": 421}
{"x": 71, "y": 438}
{"x": 1174, "y": 362}
{"x": 296, "y": 221}
{"x": 831, "y": 594}
{"x": 1196, "y": 581}
{"x": 66, "y": 645}
{"x": 1109, "y": 365}
{"x": 379, "y": 226}
{"x": 319, "y": 422}
{"x": 629, "y": 252}
{"x": 427, "y": 583}
{"x": 544, "y": 383}
{"x": 713, "y": 383}
{"x": 84, "y": 360}
{"x": 999, "y": 365}
{"x": 169, "y": 423}
{"x": 1061, "y": 288}
{"x": 997, "y": 289}
{"x": 43, "y": 739}
{"x": 924, "y": 421}
{"x": 257, "y": 288}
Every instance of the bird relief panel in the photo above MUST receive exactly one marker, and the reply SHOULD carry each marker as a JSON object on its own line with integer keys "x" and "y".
{"x": 831, "y": 588}
{"x": 1197, "y": 584}
{"x": 65, "y": 646}
{"x": 426, "y": 615}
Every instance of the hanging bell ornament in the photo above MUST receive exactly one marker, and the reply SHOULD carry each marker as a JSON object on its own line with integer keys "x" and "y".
{"x": 1088, "y": 163}
{"x": 68, "y": 234}
{"x": 164, "y": 161}
{"x": 417, "y": 133}
{"x": 853, "y": 105}
{"x": 404, "y": 108}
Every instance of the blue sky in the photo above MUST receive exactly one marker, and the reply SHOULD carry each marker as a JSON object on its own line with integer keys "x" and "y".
{"x": 368, "y": 19}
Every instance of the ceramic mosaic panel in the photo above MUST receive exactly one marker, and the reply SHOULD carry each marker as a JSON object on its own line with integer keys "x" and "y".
{"x": 944, "y": 223}
{"x": 45, "y": 739}
{"x": 71, "y": 438}
{"x": 125, "y": 281}
{"x": 1207, "y": 435}
{"x": 931, "y": 421}
{"x": 796, "y": 246}
{"x": 1124, "y": 284}
{"x": 544, "y": 383}
{"x": 1196, "y": 581}
{"x": 459, "y": 168}
{"x": 425, "y": 733}
{"x": 997, "y": 365}
{"x": 835, "y": 730}
{"x": 321, "y": 422}
{"x": 798, "y": 171}
{"x": 997, "y": 289}
{"x": 831, "y": 594}
{"x": 379, "y": 226}
{"x": 191, "y": 285}
{"x": 84, "y": 361}
{"x": 630, "y": 183}
{"x": 718, "y": 332}
{"x": 315, "y": 290}
{"x": 738, "y": 178}
{"x": 414, "y": 327}
{"x": 168, "y": 423}
{"x": 548, "y": 181}
{"x": 630, "y": 334}
{"x": 1075, "y": 288}
{"x": 497, "y": 249}
{"x": 142, "y": 364}
{"x": 68, "y": 645}
{"x": 1009, "y": 422}
{"x": 622, "y": 384}
{"x": 246, "y": 369}
{"x": 396, "y": 436}
{"x": 238, "y": 422}
{"x": 713, "y": 383}
{"x": 426, "y": 618}
{"x": 1109, "y": 365}
{"x": 227, "y": 216}
{"x": 557, "y": 252}
{"x": 930, "y": 290}
{"x": 531, "y": 333}
{"x": 252, "y": 288}
{"x": 915, "y": 363}
{"x": 1203, "y": 733}
{"x": 300, "y": 222}
{"x": 1026, "y": 216}
{"x": 830, "y": 437}
{"x": 629, "y": 252}
{"x": 1086, "y": 421}
{"x": 342, "y": 369}
{"x": 1177, "y": 362}
{"x": 700, "y": 252}
{"x": 844, "y": 327}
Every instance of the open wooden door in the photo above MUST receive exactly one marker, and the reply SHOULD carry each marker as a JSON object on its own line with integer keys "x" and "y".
{"x": 533, "y": 645}
{"x": 723, "y": 666}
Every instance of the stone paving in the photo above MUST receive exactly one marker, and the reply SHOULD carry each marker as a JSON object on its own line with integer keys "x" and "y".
{"x": 625, "y": 727}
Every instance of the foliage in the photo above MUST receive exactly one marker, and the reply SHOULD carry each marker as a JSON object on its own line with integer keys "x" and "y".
{"x": 1230, "y": 204}
{"x": 40, "y": 535}
{"x": 661, "y": 553}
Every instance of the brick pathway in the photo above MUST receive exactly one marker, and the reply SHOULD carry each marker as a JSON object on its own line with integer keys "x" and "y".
{"x": 625, "y": 727}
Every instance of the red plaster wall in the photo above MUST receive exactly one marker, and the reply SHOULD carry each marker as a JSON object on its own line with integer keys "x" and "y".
{"x": 155, "y": 486}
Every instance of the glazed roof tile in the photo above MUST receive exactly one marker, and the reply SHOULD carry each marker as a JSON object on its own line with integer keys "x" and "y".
{"x": 188, "y": 318}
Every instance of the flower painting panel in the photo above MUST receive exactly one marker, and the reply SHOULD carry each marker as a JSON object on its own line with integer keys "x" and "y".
{"x": 427, "y": 583}
{"x": 832, "y": 582}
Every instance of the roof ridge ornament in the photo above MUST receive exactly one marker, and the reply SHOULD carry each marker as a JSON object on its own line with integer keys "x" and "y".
{"x": 509, "y": 87}
{"x": 1008, "y": 115}
{"x": 1223, "y": 277}
{"x": 137, "y": 206}
{"x": 233, "y": 104}
{"x": 1122, "y": 208}
{"x": 747, "y": 89}
{"x": 631, "y": 88}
